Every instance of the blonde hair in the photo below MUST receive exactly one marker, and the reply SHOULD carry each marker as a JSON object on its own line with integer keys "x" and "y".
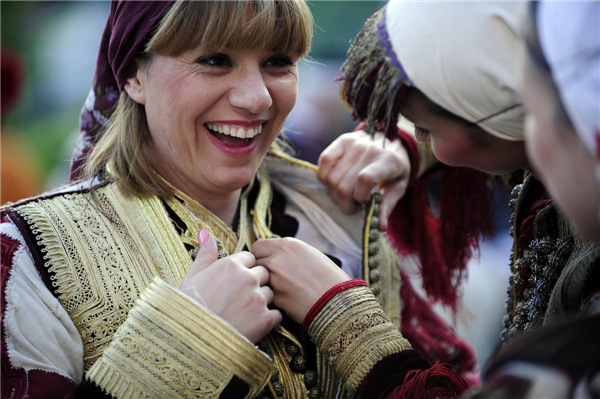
{"x": 283, "y": 26}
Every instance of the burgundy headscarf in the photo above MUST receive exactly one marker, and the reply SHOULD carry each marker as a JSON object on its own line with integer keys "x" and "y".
{"x": 127, "y": 28}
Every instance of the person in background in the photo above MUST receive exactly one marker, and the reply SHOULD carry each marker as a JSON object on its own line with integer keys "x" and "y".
{"x": 560, "y": 78}
{"x": 460, "y": 90}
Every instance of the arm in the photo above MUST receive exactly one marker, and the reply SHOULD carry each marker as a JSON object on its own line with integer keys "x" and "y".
{"x": 168, "y": 343}
{"x": 345, "y": 321}
{"x": 369, "y": 353}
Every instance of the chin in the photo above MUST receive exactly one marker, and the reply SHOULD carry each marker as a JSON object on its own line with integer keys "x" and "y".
{"x": 235, "y": 182}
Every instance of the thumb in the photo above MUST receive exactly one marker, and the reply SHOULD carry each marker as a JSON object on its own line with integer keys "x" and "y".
{"x": 208, "y": 252}
{"x": 392, "y": 193}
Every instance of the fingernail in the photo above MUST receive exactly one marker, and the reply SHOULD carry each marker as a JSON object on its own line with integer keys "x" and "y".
{"x": 203, "y": 236}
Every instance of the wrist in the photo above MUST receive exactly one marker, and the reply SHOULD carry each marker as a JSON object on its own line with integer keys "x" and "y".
{"x": 328, "y": 296}
{"x": 355, "y": 333}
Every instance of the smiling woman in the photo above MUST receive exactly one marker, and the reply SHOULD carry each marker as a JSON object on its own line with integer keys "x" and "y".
{"x": 192, "y": 69}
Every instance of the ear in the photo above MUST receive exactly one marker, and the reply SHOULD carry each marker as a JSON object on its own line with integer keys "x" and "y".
{"x": 135, "y": 88}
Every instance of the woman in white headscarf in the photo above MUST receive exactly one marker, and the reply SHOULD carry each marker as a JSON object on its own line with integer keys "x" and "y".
{"x": 560, "y": 76}
{"x": 451, "y": 69}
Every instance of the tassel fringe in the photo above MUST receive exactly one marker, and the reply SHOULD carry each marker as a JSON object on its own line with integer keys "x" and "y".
{"x": 373, "y": 86}
{"x": 439, "y": 381}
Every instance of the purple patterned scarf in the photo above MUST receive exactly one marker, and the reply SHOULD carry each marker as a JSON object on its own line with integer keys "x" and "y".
{"x": 127, "y": 28}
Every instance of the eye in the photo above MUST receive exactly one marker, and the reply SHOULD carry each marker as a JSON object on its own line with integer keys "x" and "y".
{"x": 421, "y": 132}
{"x": 279, "y": 61}
{"x": 215, "y": 60}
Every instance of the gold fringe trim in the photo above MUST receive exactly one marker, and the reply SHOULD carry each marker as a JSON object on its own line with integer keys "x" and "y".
{"x": 171, "y": 347}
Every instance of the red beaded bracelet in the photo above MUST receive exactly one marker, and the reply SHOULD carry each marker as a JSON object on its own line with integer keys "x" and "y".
{"x": 333, "y": 291}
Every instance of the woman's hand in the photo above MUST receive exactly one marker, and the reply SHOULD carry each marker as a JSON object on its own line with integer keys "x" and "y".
{"x": 233, "y": 288}
{"x": 355, "y": 163}
{"x": 299, "y": 273}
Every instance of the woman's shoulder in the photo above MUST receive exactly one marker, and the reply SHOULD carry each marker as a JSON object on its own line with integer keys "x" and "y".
{"x": 77, "y": 187}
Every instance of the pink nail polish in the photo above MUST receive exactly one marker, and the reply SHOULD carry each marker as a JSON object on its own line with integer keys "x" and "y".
{"x": 203, "y": 235}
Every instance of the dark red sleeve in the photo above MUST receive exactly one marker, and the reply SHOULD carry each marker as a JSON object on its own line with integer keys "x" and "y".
{"x": 407, "y": 375}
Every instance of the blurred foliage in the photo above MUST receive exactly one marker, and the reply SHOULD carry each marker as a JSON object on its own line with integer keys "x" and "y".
{"x": 338, "y": 22}
{"x": 47, "y": 127}
{"x": 27, "y": 26}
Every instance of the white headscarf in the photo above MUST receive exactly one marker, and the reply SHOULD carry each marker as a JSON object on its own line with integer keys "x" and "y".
{"x": 569, "y": 35}
{"x": 463, "y": 57}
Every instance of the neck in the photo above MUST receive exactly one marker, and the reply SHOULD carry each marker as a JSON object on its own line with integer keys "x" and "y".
{"x": 224, "y": 206}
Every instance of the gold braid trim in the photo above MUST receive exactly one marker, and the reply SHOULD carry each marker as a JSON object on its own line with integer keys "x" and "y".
{"x": 355, "y": 333}
{"x": 170, "y": 347}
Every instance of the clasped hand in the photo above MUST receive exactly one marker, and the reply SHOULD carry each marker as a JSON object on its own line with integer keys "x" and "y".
{"x": 284, "y": 271}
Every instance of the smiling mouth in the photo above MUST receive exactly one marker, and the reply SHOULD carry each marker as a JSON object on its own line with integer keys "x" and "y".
{"x": 235, "y": 136}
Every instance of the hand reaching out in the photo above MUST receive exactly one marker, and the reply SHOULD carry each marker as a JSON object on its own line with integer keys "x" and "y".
{"x": 355, "y": 163}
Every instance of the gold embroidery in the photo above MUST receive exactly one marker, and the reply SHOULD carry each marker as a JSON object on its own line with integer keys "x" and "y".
{"x": 354, "y": 332}
{"x": 100, "y": 259}
{"x": 293, "y": 383}
{"x": 381, "y": 267}
{"x": 170, "y": 347}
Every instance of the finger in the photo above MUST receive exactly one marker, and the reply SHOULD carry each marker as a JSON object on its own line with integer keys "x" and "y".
{"x": 245, "y": 258}
{"x": 276, "y": 318}
{"x": 267, "y": 293}
{"x": 329, "y": 157}
{"x": 208, "y": 252}
{"x": 392, "y": 193}
{"x": 348, "y": 205}
{"x": 339, "y": 170}
{"x": 264, "y": 248}
{"x": 261, "y": 274}
{"x": 349, "y": 186}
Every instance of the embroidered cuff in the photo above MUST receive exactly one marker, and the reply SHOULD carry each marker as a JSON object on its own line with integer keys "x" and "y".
{"x": 332, "y": 292}
{"x": 355, "y": 333}
{"x": 171, "y": 347}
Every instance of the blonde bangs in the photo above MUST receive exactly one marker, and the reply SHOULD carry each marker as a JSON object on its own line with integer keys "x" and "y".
{"x": 282, "y": 26}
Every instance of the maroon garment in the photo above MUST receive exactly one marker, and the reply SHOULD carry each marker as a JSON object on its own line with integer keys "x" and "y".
{"x": 126, "y": 31}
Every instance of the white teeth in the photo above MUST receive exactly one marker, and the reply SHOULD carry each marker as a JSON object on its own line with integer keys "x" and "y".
{"x": 239, "y": 132}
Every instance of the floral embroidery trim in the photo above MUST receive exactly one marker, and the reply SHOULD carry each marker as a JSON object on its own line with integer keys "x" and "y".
{"x": 355, "y": 333}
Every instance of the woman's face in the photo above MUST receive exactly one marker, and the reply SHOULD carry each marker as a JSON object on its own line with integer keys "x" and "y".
{"x": 212, "y": 117}
{"x": 559, "y": 157}
{"x": 457, "y": 144}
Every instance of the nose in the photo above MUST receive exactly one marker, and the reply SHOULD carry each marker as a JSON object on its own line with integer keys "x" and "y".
{"x": 251, "y": 93}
